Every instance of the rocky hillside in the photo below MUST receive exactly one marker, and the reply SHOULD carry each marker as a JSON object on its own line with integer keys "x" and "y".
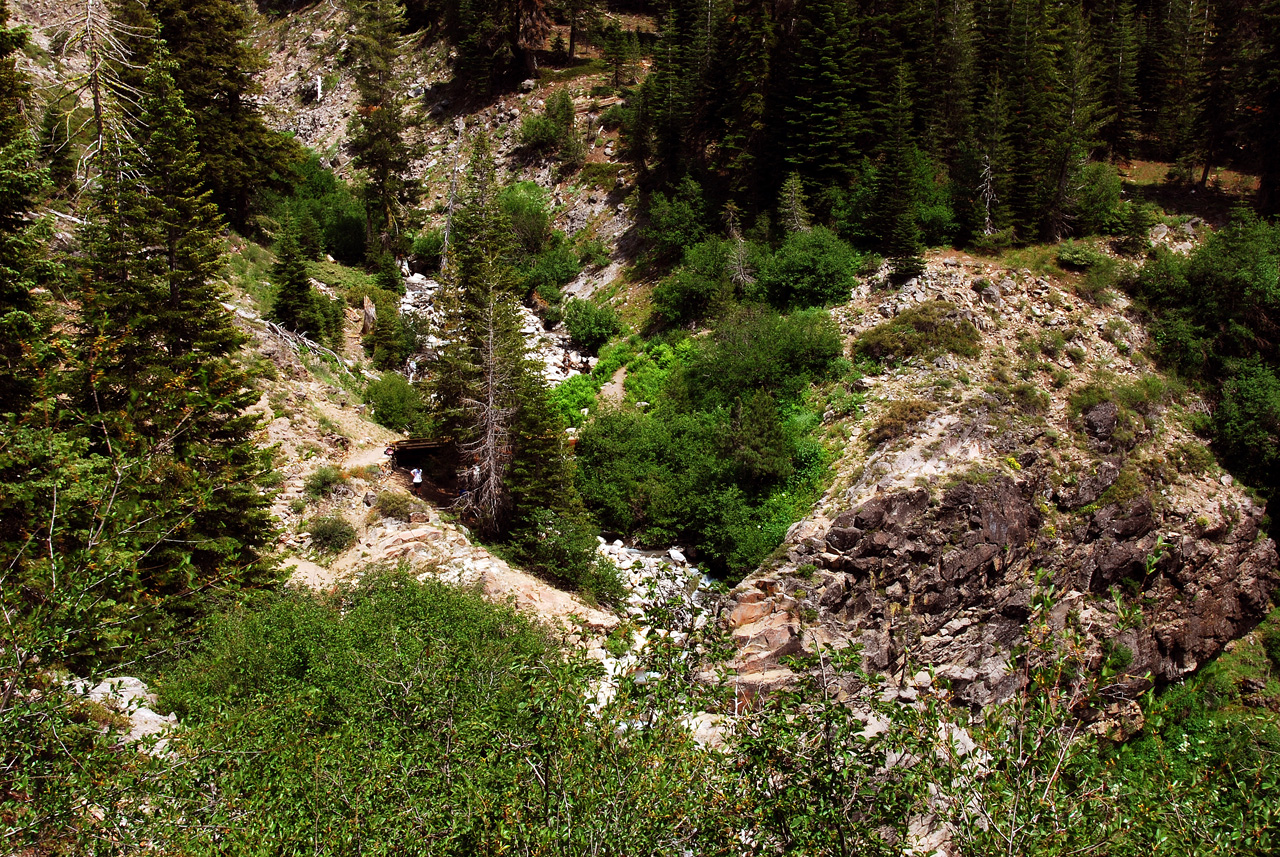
{"x": 1050, "y": 472}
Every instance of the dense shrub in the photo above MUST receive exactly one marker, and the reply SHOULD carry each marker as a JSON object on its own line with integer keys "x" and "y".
{"x": 525, "y": 204}
{"x": 331, "y": 534}
{"x": 926, "y": 330}
{"x": 562, "y": 548}
{"x": 811, "y": 268}
{"x": 590, "y": 325}
{"x": 396, "y": 504}
{"x": 698, "y": 286}
{"x": 552, "y": 268}
{"x": 321, "y": 481}
{"x": 573, "y": 396}
{"x": 756, "y": 348}
{"x": 1098, "y": 206}
{"x": 428, "y": 249}
{"x": 676, "y": 221}
{"x": 394, "y": 402}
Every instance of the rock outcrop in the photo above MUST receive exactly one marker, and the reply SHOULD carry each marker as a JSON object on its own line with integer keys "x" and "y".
{"x": 941, "y": 548}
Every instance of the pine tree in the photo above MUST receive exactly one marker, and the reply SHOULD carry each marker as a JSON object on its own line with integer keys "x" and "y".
{"x": 1115, "y": 33}
{"x": 214, "y": 64}
{"x": 1029, "y": 74}
{"x": 158, "y": 384}
{"x": 378, "y": 146}
{"x": 294, "y": 307}
{"x": 1076, "y": 116}
{"x": 1264, "y": 135}
{"x": 23, "y": 325}
{"x": 818, "y": 112}
{"x": 994, "y": 159}
{"x": 490, "y": 397}
{"x": 897, "y": 203}
{"x": 745, "y": 62}
{"x": 792, "y": 213}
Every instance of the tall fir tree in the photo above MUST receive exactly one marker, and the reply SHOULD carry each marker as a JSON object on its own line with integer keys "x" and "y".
{"x": 214, "y": 64}
{"x": 896, "y": 198}
{"x": 1114, "y": 30}
{"x": 1076, "y": 116}
{"x": 23, "y": 321}
{"x": 1264, "y": 133}
{"x": 490, "y": 397}
{"x": 818, "y": 111}
{"x": 294, "y": 307}
{"x": 746, "y": 63}
{"x": 158, "y": 383}
{"x": 378, "y": 145}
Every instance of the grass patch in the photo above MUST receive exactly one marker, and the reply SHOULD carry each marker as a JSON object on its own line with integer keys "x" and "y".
{"x": 898, "y": 419}
{"x": 582, "y": 68}
{"x": 601, "y": 174}
{"x": 927, "y": 330}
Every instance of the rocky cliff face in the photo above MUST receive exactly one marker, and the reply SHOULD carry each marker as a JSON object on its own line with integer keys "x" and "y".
{"x": 933, "y": 550}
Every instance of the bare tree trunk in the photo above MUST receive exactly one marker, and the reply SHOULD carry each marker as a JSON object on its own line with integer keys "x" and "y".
{"x": 490, "y": 451}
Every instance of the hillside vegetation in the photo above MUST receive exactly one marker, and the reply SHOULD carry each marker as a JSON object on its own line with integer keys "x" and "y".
{"x": 848, "y": 427}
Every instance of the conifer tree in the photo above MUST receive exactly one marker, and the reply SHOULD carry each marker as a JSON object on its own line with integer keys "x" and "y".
{"x": 818, "y": 111}
{"x": 1265, "y": 133}
{"x": 294, "y": 307}
{"x": 746, "y": 62}
{"x": 792, "y": 213}
{"x": 214, "y": 64}
{"x": 22, "y": 322}
{"x": 1115, "y": 33}
{"x": 157, "y": 383}
{"x": 1029, "y": 76}
{"x": 490, "y": 397}
{"x": 1076, "y": 116}
{"x": 378, "y": 146}
{"x": 896, "y": 193}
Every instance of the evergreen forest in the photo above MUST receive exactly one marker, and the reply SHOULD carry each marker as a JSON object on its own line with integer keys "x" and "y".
{"x": 654, "y": 291}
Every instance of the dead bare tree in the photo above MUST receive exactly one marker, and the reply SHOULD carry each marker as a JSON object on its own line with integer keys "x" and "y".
{"x": 492, "y": 410}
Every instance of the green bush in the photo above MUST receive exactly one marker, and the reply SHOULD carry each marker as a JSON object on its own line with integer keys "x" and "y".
{"x": 331, "y": 534}
{"x": 526, "y": 206}
{"x": 589, "y": 324}
{"x": 1098, "y": 207}
{"x": 552, "y": 268}
{"x": 811, "y": 268}
{"x": 926, "y": 330}
{"x": 396, "y": 504}
{"x": 698, "y": 286}
{"x": 1078, "y": 255}
{"x": 572, "y": 396}
{"x": 428, "y": 249}
{"x": 395, "y": 403}
{"x": 562, "y": 548}
{"x": 321, "y": 481}
{"x": 676, "y": 221}
{"x": 755, "y": 347}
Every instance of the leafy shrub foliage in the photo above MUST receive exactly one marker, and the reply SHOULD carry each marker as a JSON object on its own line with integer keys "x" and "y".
{"x": 396, "y": 504}
{"x": 321, "y": 481}
{"x": 590, "y": 325}
{"x": 395, "y": 403}
{"x": 331, "y": 534}
{"x": 811, "y": 268}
